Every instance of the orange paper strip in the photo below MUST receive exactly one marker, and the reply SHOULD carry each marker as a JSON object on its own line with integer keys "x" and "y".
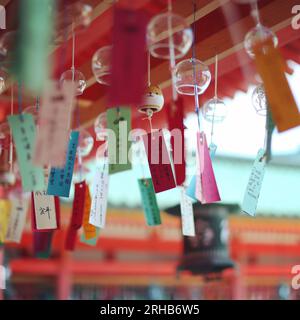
{"x": 89, "y": 230}
{"x": 271, "y": 67}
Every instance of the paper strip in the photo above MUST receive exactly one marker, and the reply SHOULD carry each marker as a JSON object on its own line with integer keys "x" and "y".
{"x": 54, "y": 121}
{"x": 60, "y": 179}
{"x": 210, "y": 190}
{"x": 91, "y": 241}
{"x": 99, "y": 197}
{"x": 32, "y": 59}
{"x": 149, "y": 202}
{"x": 270, "y": 126}
{"x": 129, "y": 62}
{"x": 187, "y": 214}
{"x": 4, "y": 218}
{"x": 159, "y": 161}
{"x": 89, "y": 231}
{"x": 176, "y": 127}
{"x": 77, "y": 215}
{"x": 271, "y": 68}
{"x": 254, "y": 184}
{"x": 45, "y": 211}
{"x": 17, "y": 219}
{"x": 119, "y": 126}
{"x": 23, "y": 131}
{"x": 191, "y": 189}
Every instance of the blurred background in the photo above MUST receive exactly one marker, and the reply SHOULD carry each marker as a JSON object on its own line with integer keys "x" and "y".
{"x": 232, "y": 256}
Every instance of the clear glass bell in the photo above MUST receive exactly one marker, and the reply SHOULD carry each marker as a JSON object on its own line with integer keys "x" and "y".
{"x": 7, "y": 42}
{"x": 214, "y": 110}
{"x": 257, "y": 35}
{"x": 85, "y": 143}
{"x": 3, "y": 79}
{"x": 100, "y": 126}
{"x": 259, "y": 100}
{"x": 190, "y": 72}
{"x": 79, "y": 80}
{"x": 78, "y": 13}
{"x": 101, "y": 65}
{"x": 158, "y": 35}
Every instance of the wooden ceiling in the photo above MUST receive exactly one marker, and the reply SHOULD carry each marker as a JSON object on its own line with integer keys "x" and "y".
{"x": 220, "y": 25}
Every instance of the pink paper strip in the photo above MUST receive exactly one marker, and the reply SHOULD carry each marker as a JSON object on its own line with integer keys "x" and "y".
{"x": 208, "y": 182}
{"x": 53, "y": 126}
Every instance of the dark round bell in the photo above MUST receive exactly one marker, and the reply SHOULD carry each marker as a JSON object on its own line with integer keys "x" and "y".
{"x": 207, "y": 252}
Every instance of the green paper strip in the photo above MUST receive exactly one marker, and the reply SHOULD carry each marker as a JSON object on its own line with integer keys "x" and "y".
{"x": 119, "y": 125}
{"x": 149, "y": 202}
{"x": 270, "y": 127}
{"x": 90, "y": 242}
{"x": 23, "y": 131}
{"x": 36, "y": 25}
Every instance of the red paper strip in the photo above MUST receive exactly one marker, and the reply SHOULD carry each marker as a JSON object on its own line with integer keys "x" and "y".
{"x": 159, "y": 161}
{"x": 128, "y": 57}
{"x": 210, "y": 190}
{"x": 176, "y": 127}
{"x": 33, "y": 218}
{"x": 77, "y": 215}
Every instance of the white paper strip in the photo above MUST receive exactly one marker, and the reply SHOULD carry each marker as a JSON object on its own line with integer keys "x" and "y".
{"x": 99, "y": 196}
{"x": 45, "y": 212}
{"x": 17, "y": 219}
{"x": 254, "y": 184}
{"x": 187, "y": 214}
{"x": 54, "y": 122}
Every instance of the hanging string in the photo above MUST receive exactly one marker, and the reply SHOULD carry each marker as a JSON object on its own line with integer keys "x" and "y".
{"x": 255, "y": 12}
{"x": 172, "y": 51}
{"x": 37, "y": 103}
{"x": 11, "y": 146}
{"x": 73, "y": 53}
{"x": 80, "y": 165}
{"x": 215, "y": 98}
{"x": 149, "y": 69}
{"x": 197, "y": 107}
{"x": 20, "y": 97}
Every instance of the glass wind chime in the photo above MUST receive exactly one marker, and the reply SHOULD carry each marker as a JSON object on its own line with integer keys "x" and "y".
{"x": 169, "y": 37}
{"x": 86, "y": 141}
{"x": 214, "y": 110}
{"x": 257, "y": 35}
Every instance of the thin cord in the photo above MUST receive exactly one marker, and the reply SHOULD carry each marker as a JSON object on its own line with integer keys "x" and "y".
{"x": 149, "y": 69}
{"x": 20, "y": 97}
{"x": 255, "y": 12}
{"x": 79, "y": 152}
{"x": 37, "y": 104}
{"x": 11, "y": 139}
{"x": 216, "y": 76}
{"x": 73, "y": 53}
{"x": 172, "y": 51}
{"x": 196, "y": 96}
{"x": 215, "y": 99}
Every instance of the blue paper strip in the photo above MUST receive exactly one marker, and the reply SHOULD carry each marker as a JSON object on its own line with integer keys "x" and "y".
{"x": 191, "y": 189}
{"x": 60, "y": 179}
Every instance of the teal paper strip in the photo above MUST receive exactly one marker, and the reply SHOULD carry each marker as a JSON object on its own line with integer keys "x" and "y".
{"x": 23, "y": 131}
{"x": 149, "y": 202}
